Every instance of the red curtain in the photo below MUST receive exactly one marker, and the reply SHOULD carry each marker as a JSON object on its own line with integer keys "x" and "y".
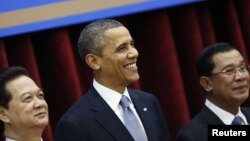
{"x": 168, "y": 40}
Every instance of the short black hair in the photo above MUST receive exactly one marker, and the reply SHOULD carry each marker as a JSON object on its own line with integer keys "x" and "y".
{"x": 7, "y": 75}
{"x": 205, "y": 64}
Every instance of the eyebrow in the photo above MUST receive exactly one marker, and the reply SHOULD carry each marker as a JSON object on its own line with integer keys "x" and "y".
{"x": 231, "y": 65}
{"x": 25, "y": 93}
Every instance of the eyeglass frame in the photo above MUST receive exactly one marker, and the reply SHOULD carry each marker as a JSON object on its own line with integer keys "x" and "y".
{"x": 233, "y": 71}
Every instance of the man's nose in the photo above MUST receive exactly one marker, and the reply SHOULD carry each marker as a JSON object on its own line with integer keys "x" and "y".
{"x": 240, "y": 75}
{"x": 38, "y": 102}
{"x": 133, "y": 53}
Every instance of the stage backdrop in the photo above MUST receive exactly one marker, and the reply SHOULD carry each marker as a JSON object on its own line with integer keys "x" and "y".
{"x": 168, "y": 40}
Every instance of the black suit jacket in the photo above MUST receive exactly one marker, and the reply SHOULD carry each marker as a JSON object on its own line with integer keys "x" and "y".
{"x": 196, "y": 129}
{"x": 91, "y": 119}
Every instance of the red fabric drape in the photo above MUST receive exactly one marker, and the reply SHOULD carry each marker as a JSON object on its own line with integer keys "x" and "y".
{"x": 243, "y": 11}
{"x": 168, "y": 40}
{"x": 189, "y": 43}
{"x": 3, "y": 56}
{"x": 158, "y": 62}
{"x": 57, "y": 64}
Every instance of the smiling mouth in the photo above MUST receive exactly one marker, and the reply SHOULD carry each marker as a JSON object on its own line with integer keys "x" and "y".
{"x": 131, "y": 66}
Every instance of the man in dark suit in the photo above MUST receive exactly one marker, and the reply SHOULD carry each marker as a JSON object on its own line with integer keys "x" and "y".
{"x": 108, "y": 49}
{"x": 224, "y": 76}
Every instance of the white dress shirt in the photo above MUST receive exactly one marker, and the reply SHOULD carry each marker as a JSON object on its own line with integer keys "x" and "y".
{"x": 226, "y": 117}
{"x": 113, "y": 98}
{"x": 8, "y": 139}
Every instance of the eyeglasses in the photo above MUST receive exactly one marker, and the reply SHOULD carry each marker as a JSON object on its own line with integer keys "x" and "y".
{"x": 232, "y": 71}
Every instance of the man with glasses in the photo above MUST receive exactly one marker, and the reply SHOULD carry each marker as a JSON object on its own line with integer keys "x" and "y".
{"x": 224, "y": 77}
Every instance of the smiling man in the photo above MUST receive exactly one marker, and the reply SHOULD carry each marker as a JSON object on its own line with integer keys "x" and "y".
{"x": 110, "y": 111}
{"x": 23, "y": 109}
{"x": 224, "y": 76}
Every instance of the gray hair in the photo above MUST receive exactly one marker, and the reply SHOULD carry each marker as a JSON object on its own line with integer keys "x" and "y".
{"x": 91, "y": 39}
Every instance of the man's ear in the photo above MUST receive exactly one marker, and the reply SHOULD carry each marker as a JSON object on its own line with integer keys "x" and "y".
{"x": 206, "y": 83}
{"x": 3, "y": 115}
{"x": 92, "y": 61}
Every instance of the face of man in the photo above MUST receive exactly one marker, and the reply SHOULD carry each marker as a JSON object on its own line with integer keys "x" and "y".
{"x": 27, "y": 108}
{"x": 230, "y": 82}
{"x": 119, "y": 57}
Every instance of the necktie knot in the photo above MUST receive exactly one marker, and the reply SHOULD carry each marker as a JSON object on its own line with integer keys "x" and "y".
{"x": 238, "y": 121}
{"x": 124, "y": 102}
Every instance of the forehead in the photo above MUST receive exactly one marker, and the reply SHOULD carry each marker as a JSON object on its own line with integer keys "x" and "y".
{"x": 223, "y": 59}
{"x": 116, "y": 33}
{"x": 20, "y": 85}
{"x": 115, "y": 37}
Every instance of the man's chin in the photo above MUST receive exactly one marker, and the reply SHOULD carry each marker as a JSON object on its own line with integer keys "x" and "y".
{"x": 135, "y": 77}
{"x": 241, "y": 98}
{"x": 42, "y": 122}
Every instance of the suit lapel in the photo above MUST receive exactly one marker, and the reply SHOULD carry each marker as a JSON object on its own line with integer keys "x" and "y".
{"x": 106, "y": 117}
{"x": 209, "y": 117}
{"x": 246, "y": 112}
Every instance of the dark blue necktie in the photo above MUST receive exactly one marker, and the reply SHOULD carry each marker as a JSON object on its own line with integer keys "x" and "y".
{"x": 131, "y": 122}
{"x": 238, "y": 121}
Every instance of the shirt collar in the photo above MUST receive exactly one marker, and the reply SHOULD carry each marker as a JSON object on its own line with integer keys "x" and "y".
{"x": 110, "y": 96}
{"x": 8, "y": 139}
{"x": 225, "y": 116}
